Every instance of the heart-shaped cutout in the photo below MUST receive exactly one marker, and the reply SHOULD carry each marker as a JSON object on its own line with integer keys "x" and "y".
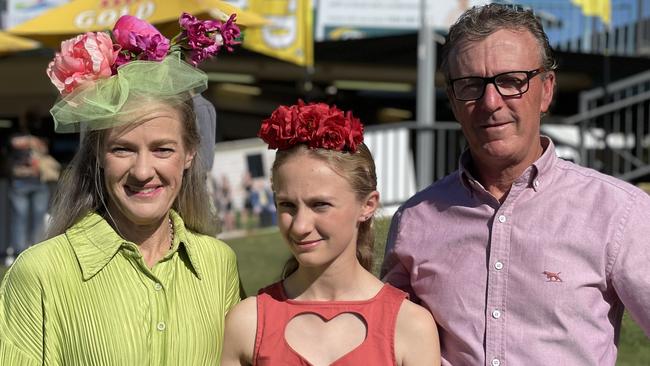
{"x": 322, "y": 342}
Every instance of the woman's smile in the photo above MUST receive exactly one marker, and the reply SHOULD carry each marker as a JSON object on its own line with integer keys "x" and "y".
{"x": 151, "y": 191}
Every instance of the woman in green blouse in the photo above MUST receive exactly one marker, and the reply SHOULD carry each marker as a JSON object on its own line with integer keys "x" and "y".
{"x": 131, "y": 273}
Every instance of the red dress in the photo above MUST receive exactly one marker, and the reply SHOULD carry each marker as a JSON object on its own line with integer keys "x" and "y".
{"x": 274, "y": 311}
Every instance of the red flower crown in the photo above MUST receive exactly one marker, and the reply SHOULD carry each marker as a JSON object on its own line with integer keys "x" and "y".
{"x": 316, "y": 125}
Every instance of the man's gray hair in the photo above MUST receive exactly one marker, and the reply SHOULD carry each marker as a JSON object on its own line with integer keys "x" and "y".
{"x": 479, "y": 22}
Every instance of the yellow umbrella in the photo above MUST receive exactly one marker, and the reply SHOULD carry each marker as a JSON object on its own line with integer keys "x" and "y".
{"x": 65, "y": 21}
{"x": 10, "y": 43}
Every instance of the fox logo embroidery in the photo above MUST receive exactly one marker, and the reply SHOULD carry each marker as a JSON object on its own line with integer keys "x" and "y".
{"x": 552, "y": 276}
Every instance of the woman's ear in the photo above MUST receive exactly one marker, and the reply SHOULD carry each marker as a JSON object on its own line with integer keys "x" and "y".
{"x": 189, "y": 157}
{"x": 369, "y": 206}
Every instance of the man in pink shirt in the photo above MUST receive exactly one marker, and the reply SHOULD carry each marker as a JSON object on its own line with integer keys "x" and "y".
{"x": 523, "y": 258}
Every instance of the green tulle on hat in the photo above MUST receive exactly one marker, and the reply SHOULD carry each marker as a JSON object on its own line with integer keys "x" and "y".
{"x": 113, "y": 101}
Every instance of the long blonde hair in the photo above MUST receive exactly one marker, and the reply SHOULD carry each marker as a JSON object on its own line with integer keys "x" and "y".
{"x": 358, "y": 169}
{"x": 81, "y": 188}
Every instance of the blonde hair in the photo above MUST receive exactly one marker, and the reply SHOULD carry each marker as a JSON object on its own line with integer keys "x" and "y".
{"x": 81, "y": 188}
{"x": 358, "y": 169}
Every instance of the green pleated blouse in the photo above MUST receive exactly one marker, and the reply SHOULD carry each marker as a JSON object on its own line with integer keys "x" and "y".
{"x": 87, "y": 298}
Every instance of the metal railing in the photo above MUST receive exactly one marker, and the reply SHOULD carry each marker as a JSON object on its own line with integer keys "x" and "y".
{"x": 449, "y": 143}
{"x": 613, "y": 128}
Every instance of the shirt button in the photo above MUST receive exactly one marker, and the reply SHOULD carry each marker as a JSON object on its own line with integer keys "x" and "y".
{"x": 496, "y": 314}
{"x": 160, "y": 326}
{"x": 536, "y": 183}
{"x": 502, "y": 218}
{"x": 496, "y": 362}
{"x": 157, "y": 287}
{"x": 498, "y": 266}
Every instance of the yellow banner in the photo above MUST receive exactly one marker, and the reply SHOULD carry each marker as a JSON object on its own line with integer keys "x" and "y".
{"x": 79, "y": 16}
{"x": 289, "y": 36}
{"x": 598, "y": 8}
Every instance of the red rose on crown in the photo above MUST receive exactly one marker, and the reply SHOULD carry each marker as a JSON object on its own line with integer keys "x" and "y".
{"x": 317, "y": 125}
{"x": 280, "y": 129}
{"x": 309, "y": 118}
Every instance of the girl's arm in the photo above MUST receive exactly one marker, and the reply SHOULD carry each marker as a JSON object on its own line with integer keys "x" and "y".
{"x": 416, "y": 336}
{"x": 239, "y": 337}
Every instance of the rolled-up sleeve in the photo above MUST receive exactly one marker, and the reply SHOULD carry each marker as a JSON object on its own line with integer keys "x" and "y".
{"x": 631, "y": 262}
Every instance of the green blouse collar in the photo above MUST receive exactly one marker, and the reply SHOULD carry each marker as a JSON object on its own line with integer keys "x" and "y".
{"x": 95, "y": 243}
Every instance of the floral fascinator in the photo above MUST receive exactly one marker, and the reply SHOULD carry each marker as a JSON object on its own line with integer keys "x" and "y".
{"x": 316, "y": 125}
{"x": 104, "y": 77}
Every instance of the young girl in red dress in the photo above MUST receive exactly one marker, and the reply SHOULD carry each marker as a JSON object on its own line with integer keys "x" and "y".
{"x": 329, "y": 309}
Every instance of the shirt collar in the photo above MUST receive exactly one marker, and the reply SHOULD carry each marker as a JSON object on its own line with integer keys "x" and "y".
{"x": 548, "y": 159}
{"x": 181, "y": 240}
{"x": 532, "y": 176}
{"x": 95, "y": 243}
{"x": 466, "y": 178}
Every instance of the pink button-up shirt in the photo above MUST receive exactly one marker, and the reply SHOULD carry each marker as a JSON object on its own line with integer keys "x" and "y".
{"x": 541, "y": 279}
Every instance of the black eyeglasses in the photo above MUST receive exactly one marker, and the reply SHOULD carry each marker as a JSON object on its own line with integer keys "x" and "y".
{"x": 508, "y": 84}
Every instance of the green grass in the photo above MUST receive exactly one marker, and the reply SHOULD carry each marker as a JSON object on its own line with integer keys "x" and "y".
{"x": 260, "y": 257}
{"x": 633, "y": 347}
{"x": 262, "y": 254}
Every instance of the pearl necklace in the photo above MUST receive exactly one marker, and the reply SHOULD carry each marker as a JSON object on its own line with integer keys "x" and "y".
{"x": 171, "y": 234}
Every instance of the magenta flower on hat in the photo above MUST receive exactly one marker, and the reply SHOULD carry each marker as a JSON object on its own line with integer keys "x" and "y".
{"x": 153, "y": 48}
{"x": 229, "y": 33}
{"x": 204, "y": 38}
{"x": 139, "y": 40}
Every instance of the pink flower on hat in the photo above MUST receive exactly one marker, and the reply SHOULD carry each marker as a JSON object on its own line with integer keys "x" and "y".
{"x": 139, "y": 40}
{"x": 88, "y": 56}
{"x": 127, "y": 27}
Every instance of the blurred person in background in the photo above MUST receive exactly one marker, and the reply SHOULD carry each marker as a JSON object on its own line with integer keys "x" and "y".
{"x": 222, "y": 193}
{"x": 522, "y": 257}
{"x": 28, "y": 189}
{"x": 328, "y": 308}
{"x": 248, "y": 219}
{"x": 131, "y": 273}
{"x": 262, "y": 204}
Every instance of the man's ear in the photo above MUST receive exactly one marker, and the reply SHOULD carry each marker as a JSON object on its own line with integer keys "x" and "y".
{"x": 369, "y": 206}
{"x": 548, "y": 89}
